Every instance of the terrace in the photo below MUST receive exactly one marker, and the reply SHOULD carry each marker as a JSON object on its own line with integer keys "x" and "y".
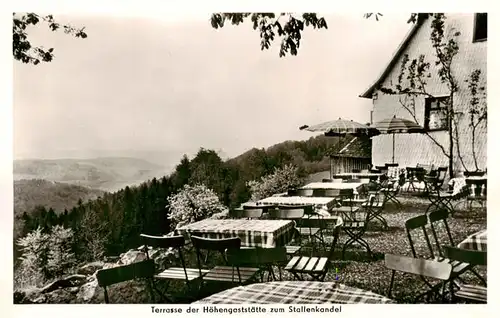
{"x": 354, "y": 271}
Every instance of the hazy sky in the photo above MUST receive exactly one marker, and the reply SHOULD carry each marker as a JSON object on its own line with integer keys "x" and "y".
{"x": 174, "y": 86}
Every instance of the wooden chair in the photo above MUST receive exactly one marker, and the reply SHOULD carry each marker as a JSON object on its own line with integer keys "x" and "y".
{"x": 422, "y": 267}
{"x": 465, "y": 291}
{"x": 441, "y": 176}
{"x": 412, "y": 225}
{"x": 441, "y": 216}
{"x": 172, "y": 273}
{"x": 111, "y": 276}
{"x": 315, "y": 267}
{"x": 476, "y": 192}
{"x": 264, "y": 258}
{"x": 231, "y": 272}
{"x": 355, "y": 221}
{"x": 376, "y": 206}
{"x": 296, "y": 214}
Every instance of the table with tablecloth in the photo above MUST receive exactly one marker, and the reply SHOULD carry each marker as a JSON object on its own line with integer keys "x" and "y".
{"x": 477, "y": 241}
{"x": 459, "y": 184}
{"x": 253, "y": 233}
{"x": 295, "y": 292}
{"x": 318, "y": 202}
{"x": 358, "y": 175}
{"x": 355, "y": 186}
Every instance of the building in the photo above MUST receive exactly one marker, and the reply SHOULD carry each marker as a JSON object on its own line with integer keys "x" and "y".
{"x": 356, "y": 154}
{"x": 413, "y": 149}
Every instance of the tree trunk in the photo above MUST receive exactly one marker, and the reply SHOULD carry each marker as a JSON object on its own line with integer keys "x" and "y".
{"x": 450, "y": 135}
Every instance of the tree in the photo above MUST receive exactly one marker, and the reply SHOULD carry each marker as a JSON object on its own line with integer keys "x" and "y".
{"x": 413, "y": 80}
{"x": 478, "y": 110}
{"x": 192, "y": 204}
{"x": 278, "y": 182}
{"x": 60, "y": 254}
{"x": 23, "y": 50}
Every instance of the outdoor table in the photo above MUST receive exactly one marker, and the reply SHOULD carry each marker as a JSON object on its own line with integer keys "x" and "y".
{"x": 295, "y": 292}
{"x": 355, "y": 186}
{"x": 476, "y": 241}
{"x": 253, "y": 233}
{"x": 358, "y": 175}
{"x": 459, "y": 183}
{"x": 297, "y": 200}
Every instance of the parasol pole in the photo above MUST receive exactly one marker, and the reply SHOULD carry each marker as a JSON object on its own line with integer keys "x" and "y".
{"x": 331, "y": 166}
{"x": 393, "y": 147}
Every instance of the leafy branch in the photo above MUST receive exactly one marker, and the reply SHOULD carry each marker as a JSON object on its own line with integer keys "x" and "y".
{"x": 23, "y": 50}
{"x": 284, "y": 25}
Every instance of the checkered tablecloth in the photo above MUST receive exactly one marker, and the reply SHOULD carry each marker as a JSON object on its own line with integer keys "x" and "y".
{"x": 333, "y": 185}
{"x": 297, "y": 200}
{"x": 477, "y": 241}
{"x": 295, "y": 292}
{"x": 255, "y": 233}
{"x": 360, "y": 175}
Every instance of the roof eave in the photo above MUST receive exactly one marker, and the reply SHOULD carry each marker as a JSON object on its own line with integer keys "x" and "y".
{"x": 369, "y": 92}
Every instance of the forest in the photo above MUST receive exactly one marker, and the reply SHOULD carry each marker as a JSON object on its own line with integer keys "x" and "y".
{"x": 111, "y": 223}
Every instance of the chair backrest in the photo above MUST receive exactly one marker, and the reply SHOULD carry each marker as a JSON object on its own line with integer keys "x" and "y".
{"x": 417, "y": 266}
{"x": 247, "y": 213}
{"x": 176, "y": 242}
{"x": 466, "y": 256}
{"x": 435, "y": 217}
{"x": 418, "y": 222}
{"x": 441, "y": 173}
{"x": 304, "y": 192}
{"x": 291, "y": 212}
{"x": 377, "y": 197}
{"x": 163, "y": 241}
{"x": 111, "y": 276}
{"x": 210, "y": 244}
{"x": 319, "y": 192}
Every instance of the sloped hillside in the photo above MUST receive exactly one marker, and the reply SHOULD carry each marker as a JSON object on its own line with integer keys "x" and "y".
{"x": 56, "y": 195}
{"x": 109, "y": 174}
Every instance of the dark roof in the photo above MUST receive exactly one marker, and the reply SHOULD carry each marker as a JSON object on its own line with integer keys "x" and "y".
{"x": 404, "y": 44}
{"x": 358, "y": 147}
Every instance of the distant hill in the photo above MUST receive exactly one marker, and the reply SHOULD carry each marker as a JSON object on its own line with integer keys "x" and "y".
{"x": 108, "y": 174}
{"x": 56, "y": 195}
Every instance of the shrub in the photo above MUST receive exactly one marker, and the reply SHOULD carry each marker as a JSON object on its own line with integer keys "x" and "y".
{"x": 194, "y": 203}
{"x": 44, "y": 256}
{"x": 279, "y": 181}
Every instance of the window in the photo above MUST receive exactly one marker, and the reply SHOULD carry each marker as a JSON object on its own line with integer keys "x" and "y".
{"x": 480, "y": 27}
{"x": 435, "y": 113}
